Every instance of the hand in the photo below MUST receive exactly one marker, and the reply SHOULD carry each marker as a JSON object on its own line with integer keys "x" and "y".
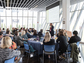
{"x": 23, "y": 38}
{"x": 28, "y": 38}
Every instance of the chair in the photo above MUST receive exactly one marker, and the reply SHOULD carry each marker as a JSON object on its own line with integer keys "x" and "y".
{"x": 49, "y": 49}
{"x": 10, "y": 60}
{"x": 68, "y": 51}
{"x": 27, "y": 50}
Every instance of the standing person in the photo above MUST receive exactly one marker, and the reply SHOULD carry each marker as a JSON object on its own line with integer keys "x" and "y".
{"x": 51, "y": 29}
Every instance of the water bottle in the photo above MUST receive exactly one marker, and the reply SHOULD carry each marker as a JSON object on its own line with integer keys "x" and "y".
{"x": 38, "y": 38}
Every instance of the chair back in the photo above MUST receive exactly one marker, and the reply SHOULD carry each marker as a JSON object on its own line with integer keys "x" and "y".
{"x": 49, "y": 48}
{"x": 10, "y": 60}
{"x": 26, "y": 46}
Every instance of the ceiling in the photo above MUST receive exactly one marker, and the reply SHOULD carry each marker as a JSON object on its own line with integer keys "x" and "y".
{"x": 37, "y": 5}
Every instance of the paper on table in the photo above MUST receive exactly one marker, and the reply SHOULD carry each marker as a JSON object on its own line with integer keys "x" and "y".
{"x": 41, "y": 43}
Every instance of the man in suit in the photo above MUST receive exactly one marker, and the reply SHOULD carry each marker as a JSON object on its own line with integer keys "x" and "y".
{"x": 51, "y": 29}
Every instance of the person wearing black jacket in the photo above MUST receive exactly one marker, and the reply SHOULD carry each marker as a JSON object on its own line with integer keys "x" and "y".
{"x": 74, "y": 38}
{"x": 62, "y": 42}
{"x": 40, "y": 34}
{"x": 51, "y": 29}
{"x": 48, "y": 41}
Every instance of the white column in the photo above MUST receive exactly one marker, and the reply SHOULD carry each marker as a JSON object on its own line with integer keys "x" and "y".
{"x": 66, "y": 14}
{"x": 38, "y": 18}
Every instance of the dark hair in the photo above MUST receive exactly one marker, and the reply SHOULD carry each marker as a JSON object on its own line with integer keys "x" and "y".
{"x": 1, "y": 32}
{"x": 75, "y": 33}
{"x": 61, "y": 32}
{"x": 7, "y": 32}
{"x": 26, "y": 31}
{"x": 35, "y": 32}
{"x": 41, "y": 30}
{"x": 16, "y": 33}
{"x": 3, "y": 28}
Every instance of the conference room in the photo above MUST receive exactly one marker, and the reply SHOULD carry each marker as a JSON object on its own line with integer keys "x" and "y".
{"x": 41, "y": 31}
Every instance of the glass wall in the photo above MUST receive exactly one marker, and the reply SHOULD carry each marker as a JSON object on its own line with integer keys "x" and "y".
{"x": 42, "y": 20}
{"x": 76, "y": 18}
{"x": 13, "y": 17}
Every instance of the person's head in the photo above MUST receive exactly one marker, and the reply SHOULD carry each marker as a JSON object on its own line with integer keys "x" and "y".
{"x": 61, "y": 32}
{"x": 16, "y": 33}
{"x": 47, "y": 37}
{"x": 30, "y": 29}
{"x": 35, "y": 32}
{"x": 75, "y": 33}
{"x": 7, "y": 29}
{"x": 50, "y": 24}
{"x": 22, "y": 33}
{"x": 3, "y": 28}
{"x": 1, "y": 34}
{"x": 41, "y": 30}
{"x": 7, "y": 32}
{"x": 33, "y": 29}
{"x": 19, "y": 30}
{"x": 24, "y": 28}
{"x": 6, "y": 42}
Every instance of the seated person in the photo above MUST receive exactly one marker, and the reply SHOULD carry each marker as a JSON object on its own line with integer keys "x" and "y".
{"x": 3, "y": 31}
{"x": 33, "y": 29}
{"x": 5, "y": 52}
{"x": 28, "y": 35}
{"x": 8, "y": 34}
{"x": 62, "y": 42}
{"x": 58, "y": 34}
{"x": 23, "y": 35}
{"x": 40, "y": 34}
{"x": 35, "y": 33}
{"x": 48, "y": 41}
{"x": 19, "y": 32}
{"x": 13, "y": 30}
{"x": 75, "y": 38}
{"x": 1, "y": 35}
{"x": 19, "y": 40}
{"x": 65, "y": 34}
{"x": 30, "y": 30}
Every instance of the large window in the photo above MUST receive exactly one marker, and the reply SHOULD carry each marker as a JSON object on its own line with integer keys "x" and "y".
{"x": 42, "y": 20}
{"x": 18, "y": 17}
{"x": 76, "y": 18}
